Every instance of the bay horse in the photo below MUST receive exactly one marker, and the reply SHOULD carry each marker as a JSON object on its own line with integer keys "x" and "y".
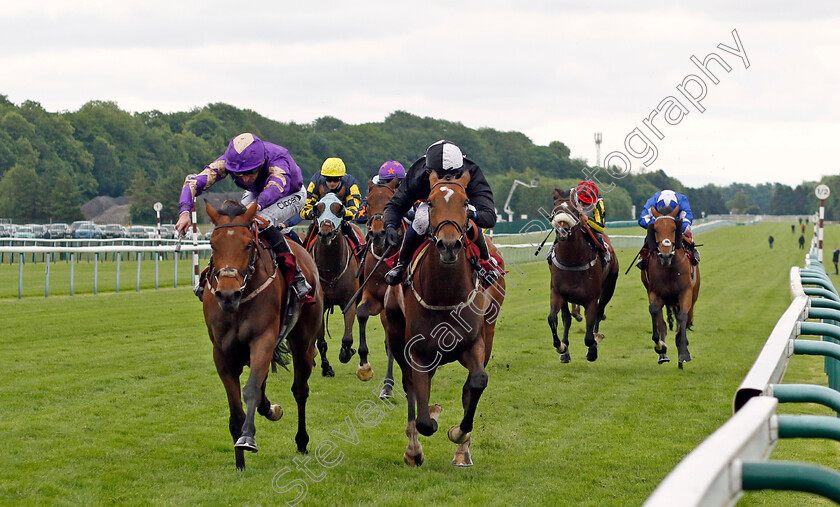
{"x": 337, "y": 267}
{"x": 442, "y": 314}
{"x": 243, "y": 313}
{"x": 578, "y": 276}
{"x": 373, "y": 293}
{"x": 671, "y": 281}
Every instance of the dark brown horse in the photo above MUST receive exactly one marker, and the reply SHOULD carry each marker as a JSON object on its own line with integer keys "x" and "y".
{"x": 337, "y": 267}
{"x": 373, "y": 293}
{"x": 244, "y": 302}
{"x": 579, "y": 276}
{"x": 442, "y": 315}
{"x": 671, "y": 281}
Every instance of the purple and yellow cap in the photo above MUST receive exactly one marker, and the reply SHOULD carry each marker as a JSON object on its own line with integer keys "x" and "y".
{"x": 390, "y": 170}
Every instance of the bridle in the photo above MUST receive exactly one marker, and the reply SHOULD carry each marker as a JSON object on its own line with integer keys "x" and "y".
{"x": 667, "y": 241}
{"x": 462, "y": 229}
{"x": 381, "y": 215}
{"x": 231, "y": 272}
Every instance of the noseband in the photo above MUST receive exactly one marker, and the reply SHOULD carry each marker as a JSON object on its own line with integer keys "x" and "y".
{"x": 231, "y": 272}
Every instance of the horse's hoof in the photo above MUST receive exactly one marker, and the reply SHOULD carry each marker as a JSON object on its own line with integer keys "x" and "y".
{"x": 414, "y": 461}
{"x": 275, "y": 413}
{"x": 246, "y": 444}
{"x": 578, "y": 318}
{"x": 365, "y": 372}
{"x": 386, "y": 392}
{"x": 327, "y": 371}
{"x": 462, "y": 459}
{"x": 345, "y": 354}
{"x": 458, "y": 436}
{"x": 663, "y": 358}
{"x": 566, "y": 358}
{"x": 592, "y": 354}
{"x": 435, "y": 410}
{"x": 562, "y": 348}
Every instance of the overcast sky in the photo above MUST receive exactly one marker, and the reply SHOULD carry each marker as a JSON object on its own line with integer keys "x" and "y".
{"x": 554, "y": 70}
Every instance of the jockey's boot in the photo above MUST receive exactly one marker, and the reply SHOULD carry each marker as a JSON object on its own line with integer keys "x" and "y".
{"x": 278, "y": 244}
{"x": 411, "y": 241}
{"x": 488, "y": 276}
{"x": 202, "y": 281}
{"x": 350, "y": 234}
{"x": 647, "y": 249}
{"x": 294, "y": 237}
{"x": 644, "y": 253}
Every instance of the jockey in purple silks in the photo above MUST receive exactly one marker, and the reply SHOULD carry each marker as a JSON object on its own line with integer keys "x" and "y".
{"x": 269, "y": 176}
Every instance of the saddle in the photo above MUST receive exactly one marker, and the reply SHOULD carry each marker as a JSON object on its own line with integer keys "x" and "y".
{"x": 605, "y": 250}
{"x": 473, "y": 254}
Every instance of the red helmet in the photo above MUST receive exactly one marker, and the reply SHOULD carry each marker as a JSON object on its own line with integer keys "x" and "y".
{"x": 587, "y": 193}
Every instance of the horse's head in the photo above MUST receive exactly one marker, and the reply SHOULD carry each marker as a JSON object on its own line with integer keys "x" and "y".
{"x": 448, "y": 214}
{"x": 667, "y": 231}
{"x": 234, "y": 245}
{"x": 377, "y": 198}
{"x": 330, "y": 213}
{"x": 565, "y": 218}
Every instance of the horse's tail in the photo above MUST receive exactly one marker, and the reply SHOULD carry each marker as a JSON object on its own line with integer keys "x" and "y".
{"x": 282, "y": 355}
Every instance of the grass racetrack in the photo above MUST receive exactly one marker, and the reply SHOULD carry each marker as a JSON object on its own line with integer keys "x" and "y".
{"x": 114, "y": 399}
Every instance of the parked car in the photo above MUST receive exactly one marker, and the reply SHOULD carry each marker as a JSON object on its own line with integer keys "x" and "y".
{"x": 168, "y": 231}
{"x": 88, "y": 231}
{"x": 38, "y": 230}
{"x": 59, "y": 231}
{"x": 6, "y": 230}
{"x": 24, "y": 231}
{"x": 142, "y": 232}
{"x": 75, "y": 226}
{"x": 113, "y": 231}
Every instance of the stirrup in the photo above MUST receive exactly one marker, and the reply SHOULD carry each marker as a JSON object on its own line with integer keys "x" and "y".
{"x": 300, "y": 286}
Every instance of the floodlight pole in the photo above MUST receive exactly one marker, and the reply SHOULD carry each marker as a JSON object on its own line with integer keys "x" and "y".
{"x": 507, "y": 209}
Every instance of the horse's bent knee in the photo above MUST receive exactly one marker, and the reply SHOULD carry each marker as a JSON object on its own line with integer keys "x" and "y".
{"x": 654, "y": 308}
{"x": 478, "y": 380}
{"x": 682, "y": 317}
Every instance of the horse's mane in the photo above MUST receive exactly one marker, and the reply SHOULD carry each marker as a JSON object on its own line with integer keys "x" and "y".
{"x": 231, "y": 208}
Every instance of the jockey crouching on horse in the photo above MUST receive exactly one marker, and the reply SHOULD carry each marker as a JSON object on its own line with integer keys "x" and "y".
{"x": 270, "y": 177}
{"x": 387, "y": 172}
{"x": 333, "y": 178}
{"x": 445, "y": 159}
{"x": 589, "y": 201}
{"x": 661, "y": 200}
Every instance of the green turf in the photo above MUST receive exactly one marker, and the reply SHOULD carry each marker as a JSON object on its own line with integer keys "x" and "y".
{"x": 113, "y": 399}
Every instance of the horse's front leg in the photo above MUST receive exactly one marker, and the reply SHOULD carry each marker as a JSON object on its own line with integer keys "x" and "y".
{"x": 591, "y": 340}
{"x": 473, "y": 360}
{"x": 326, "y": 369}
{"x": 681, "y": 339}
{"x": 414, "y": 450}
{"x": 659, "y": 328}
{"x": 365, "y": 309}
{"x": 558, "y": 303}
{"x": 347, "y": 351}
{"x": 261, "y": 353}
{"x": 388, "y": 384}
{"x": 229, "y": 373}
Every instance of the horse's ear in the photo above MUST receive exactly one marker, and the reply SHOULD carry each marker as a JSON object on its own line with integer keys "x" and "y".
{"x": 393, "y": 183}
{"x": 556, "y": 194}
{"x": 655, "y": 212}
{"x": 464, "y": 179}
{"x": 251, "y": 212}
{"x": 433, "y": 178}
{"x": 371, "y": 184}
{"x": 211, "y": 212}
{"x": 675, "y": 212}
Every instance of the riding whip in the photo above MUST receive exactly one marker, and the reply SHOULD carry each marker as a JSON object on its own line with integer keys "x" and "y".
{"x": 361, "y": 287}
{"x": 543, "y": 242}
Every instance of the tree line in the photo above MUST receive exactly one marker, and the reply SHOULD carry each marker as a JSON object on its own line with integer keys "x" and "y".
{"x": 52, "y": 163}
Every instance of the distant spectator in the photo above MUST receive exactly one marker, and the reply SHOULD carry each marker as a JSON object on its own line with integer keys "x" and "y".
{"x": 802, "y": 242}
{"x": 803, "y": 228}
{"x": 836, "y": 258}
{"x": 800, "y": 220}
{"x": 792, "y": 229}
{"x": 770, "y": 240}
